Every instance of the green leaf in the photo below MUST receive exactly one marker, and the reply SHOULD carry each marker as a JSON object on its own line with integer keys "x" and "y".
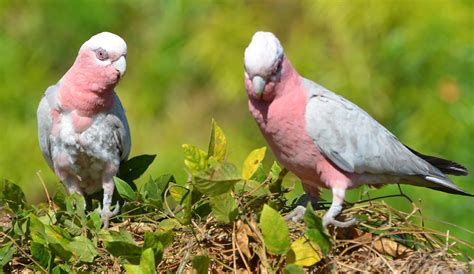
{"x": 157, "y": 241}
{"x": 224, "y": 207}
{"x": 218, "y": 180}
{"x": 11, "y": 195}
{"x": 147, "y": 264}
{"x": 60, "y": 200}
{"x": 293, "y": 269}
{"x": 169, "y": 224}
{"x": 303, "y": 253}
{"x": 217, "y": 143}
{"x": 94, "y": 222}
{"x": 275, "y": 231}
{"x": 195, "y": 159}
{"x": 121, "y": 244}
{"x": 41, "y": 253}
{"x": 252, "y": 163}
{"x": 6, "y": 253}
{"x": 135, "y": 167}
{"x": 153, "y": 190}
{"x": 57, "y": 239}
{"x": 83, "y": 249}
{"x": 178, "y": 193}
{"x": 61, "y": 269}
{"x": 201, "y": 264}
{"x": 316, "y": 233}
{"x": 124, "y": 189}
{"x": 251, "y": 186}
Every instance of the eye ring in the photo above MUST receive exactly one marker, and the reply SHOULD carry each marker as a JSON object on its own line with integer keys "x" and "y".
{"x": 101, "y": 54}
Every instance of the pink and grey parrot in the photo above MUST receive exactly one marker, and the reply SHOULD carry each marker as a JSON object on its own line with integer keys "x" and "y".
{"x": 82, "y": 128}
{"x": 326, "y": 140}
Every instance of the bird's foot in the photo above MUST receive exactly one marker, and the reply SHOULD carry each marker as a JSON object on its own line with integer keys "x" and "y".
{"x": 106, "y": 214}
{"x": 297, "y": 214}
{"x": 327, "y": 220}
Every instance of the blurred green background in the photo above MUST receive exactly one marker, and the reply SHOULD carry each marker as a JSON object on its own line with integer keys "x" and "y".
{"x": 410, "y": 64}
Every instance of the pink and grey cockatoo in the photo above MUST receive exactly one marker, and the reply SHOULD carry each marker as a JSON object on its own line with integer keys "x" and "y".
{"x": 82, "y": 128}
{"x": 326, "y": 140}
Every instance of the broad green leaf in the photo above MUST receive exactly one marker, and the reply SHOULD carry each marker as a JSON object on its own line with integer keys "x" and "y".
{"x": 124, "y": 189}
{"x": 41, "y": 253}
{"x": 195, "y": 159}
{"x": 133, "y": 168}
{"x": 6, "y": 253}
{"x": 277, "y": 174}
{"x": 178, "y": 193}
{"x": 275, "y": 170}
{"x": 217, "y": 143}
{"x": 293, "y": 269}
{"x": 83, "y": 249}
{"x": 146, "y": 266}
{"x": 201, "y": 264}
{"x": 168, "y": 224}
{"x": 303, "y": 253}
{"x": 254, "y": 187}
{"x": 94, "y": 222}
{"x": 224, "y": 207}
{"x": 275, "y": 231}
{"x": 315, "y": 232}
{"x": 56, "y": 238}
{"x": 60, "y": 199}
{"x": 252, "y": 163}
{"x": 218, "y": 180}
{"x": 157, "y": 241}
{"x": 153, "y": 190}
{"x": 61, "y": 269}
{"x": 11, "y": 195}
{"x": 121, "y": 244}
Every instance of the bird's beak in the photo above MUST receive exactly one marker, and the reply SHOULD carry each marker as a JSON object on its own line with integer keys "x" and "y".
{"x": 258, "y": 84}
{"x": 120, "y": 65}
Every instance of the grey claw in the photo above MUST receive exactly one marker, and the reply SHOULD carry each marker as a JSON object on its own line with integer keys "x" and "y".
{"x": 336, "y": 223}
{"x": 296, "y": 214}
{"x": 116, "y": 209}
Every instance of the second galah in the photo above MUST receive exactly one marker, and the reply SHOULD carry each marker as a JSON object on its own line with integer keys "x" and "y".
{"x": 326, "y": 140}
{"x": 82, "y": 128}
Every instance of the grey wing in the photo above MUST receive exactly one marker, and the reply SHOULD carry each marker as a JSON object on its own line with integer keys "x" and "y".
{"x": 354, "y": 141}
{"x": 43, "y": 114}
{"x": 122, "y": 131}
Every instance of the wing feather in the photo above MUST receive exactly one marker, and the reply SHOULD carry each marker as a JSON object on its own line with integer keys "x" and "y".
{"x": 354, "y": 141}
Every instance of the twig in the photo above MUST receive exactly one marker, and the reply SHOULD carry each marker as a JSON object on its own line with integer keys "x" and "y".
{"x": 50, "y": 202}
{"x": 233, "y": 249}
{"x": 240, "y": 251}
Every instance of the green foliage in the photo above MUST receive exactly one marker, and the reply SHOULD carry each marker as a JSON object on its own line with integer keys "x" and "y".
{"x": 275, "y": 231}
{"x": 156, "y": 216}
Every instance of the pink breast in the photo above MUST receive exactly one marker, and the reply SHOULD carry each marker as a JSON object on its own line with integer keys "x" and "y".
{"x": 282, "y": 123}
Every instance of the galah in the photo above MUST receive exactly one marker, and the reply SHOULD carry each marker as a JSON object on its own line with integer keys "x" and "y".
{"x": 82, "y": 129}
{"x": 326, "y": 140}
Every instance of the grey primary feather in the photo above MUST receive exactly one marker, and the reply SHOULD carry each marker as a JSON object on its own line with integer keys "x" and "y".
{"x": 48, "y": 102}
{"x": 357, "y": 143}
{"x": 122, "y": 133}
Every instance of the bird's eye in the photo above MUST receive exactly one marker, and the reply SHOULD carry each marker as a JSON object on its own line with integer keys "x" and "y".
{"x": 277, "y": 68}
{"x": 101, "y": 54}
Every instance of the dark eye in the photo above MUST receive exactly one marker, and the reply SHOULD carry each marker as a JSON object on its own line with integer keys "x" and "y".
{"x": 277, "y": 68}
{"x": 101, "y": 54}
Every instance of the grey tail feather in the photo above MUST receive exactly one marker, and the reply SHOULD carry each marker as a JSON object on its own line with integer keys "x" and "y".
{"x": 445, "y": 166}
{"x": 445, "y": 185}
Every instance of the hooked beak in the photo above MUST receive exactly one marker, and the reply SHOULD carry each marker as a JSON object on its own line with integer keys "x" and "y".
{"x": 258, "y": 84}
{"x": 120, "y": 65}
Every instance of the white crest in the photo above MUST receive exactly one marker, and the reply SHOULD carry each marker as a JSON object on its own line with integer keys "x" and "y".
{"x": 263, "y": 53}
{"x": 112, "y": 43}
